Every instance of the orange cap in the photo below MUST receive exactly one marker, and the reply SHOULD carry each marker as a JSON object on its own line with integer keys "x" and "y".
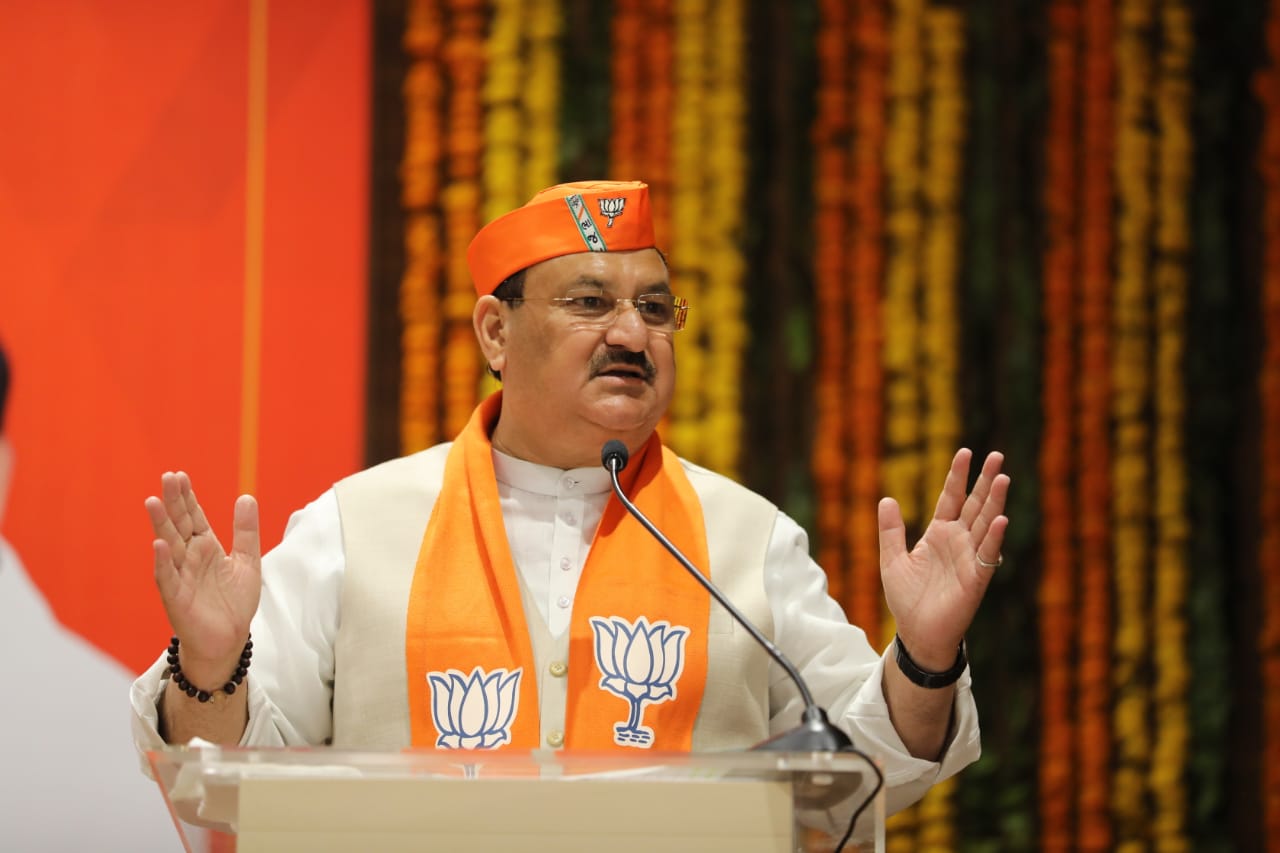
{"x": 587, "y": 216}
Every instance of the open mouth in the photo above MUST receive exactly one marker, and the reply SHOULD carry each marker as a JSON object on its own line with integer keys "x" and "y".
{"x": 624, "y": 373}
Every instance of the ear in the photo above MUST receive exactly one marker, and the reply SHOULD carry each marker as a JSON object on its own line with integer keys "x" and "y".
{"x": 490, "y": 321}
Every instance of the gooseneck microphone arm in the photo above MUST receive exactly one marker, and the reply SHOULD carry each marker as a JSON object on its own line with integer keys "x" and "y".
{"x": 816, "y": 733}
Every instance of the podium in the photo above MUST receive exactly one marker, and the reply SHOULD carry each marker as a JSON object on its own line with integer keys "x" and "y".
{"x": 324, "y": 799}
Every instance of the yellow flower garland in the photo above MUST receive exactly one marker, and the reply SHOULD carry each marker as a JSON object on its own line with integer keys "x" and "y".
{"x": 541, "y": 95}
{"x": 726, "y": 196}
{"x": 903, "y": 462}
{"x": 1173, "y": 244}
{"x": 939, "y": 348}
{"x": 689, "y": 211}
{"x": 1131, "y": 394}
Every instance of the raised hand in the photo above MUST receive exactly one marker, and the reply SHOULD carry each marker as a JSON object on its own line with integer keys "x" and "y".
{"x": 934, "y": 589}
{"x": 209, "y": 595}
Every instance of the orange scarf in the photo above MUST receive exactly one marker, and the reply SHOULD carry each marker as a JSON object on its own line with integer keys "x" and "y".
{"x": 637, "y": 635}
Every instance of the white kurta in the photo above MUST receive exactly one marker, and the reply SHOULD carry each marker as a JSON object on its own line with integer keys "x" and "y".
{"x": 551, "y": 516}
{"x": 68, "y": 776}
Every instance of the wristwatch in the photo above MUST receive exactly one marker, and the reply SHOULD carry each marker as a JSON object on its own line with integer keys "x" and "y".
{"x": 924, "y": 677}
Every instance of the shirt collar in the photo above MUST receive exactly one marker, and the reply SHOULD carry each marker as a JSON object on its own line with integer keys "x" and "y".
{"x": 545, "y": 480}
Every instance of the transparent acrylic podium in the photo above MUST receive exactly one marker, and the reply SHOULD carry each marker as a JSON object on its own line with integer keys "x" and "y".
{"x": 323, "y": 799}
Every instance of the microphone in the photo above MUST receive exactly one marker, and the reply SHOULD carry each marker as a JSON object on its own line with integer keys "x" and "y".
{"x": 815, "y": 733}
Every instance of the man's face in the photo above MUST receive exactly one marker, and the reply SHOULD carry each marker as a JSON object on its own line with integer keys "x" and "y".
{"x": 569, "y": 385}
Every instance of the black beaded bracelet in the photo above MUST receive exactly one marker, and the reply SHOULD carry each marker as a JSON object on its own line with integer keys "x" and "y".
{"x": 175, "y": 672}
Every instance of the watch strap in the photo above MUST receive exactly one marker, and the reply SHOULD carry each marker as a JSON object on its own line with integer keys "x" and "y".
{"x": 924, "y": 677}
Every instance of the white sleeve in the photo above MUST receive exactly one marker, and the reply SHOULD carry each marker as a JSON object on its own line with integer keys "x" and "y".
{"x": 290, "y": 681}
{"x": 845, "y": 674}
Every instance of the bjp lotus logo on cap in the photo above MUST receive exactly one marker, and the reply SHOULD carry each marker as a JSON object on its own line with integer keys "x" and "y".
{"x": 612, "y": 207}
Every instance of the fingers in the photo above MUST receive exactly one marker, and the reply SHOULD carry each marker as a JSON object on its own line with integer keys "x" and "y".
{"x": 166, "y": 572}
{"x": 952, "y": 497}
{"x": 992, "y": 508}
{"x": 172, "y": 487}
{"x": 245, "y": 542}
{"x": 199, "y": 524}
{"x": 893, "y": 532}
{"x": 164, "y": 528}
{"x": 976, "y": 502}
{"x": 988, "y": 549}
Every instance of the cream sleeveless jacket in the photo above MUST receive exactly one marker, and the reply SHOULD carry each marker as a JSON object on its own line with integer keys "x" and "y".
{"x": 384, "y": 512}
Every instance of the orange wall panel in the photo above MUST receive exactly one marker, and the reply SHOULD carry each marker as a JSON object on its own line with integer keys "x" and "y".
{"x": 123, "y": 237}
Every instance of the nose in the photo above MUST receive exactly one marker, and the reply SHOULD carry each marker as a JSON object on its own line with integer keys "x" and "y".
{"x": 628, "y": 329}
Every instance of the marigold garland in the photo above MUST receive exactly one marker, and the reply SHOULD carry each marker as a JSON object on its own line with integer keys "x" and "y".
{"x": 626, "y": 94}
{"x": 864, "y": 418}
{"x": 505, "y": 125}
{"x": 726, "y": 169}
{"x": 689, "y": 259}
{"x": 1057, "y": 591}
{"x": 420, "y": 170}
{"x": 1092, "y": 746}
{"x": 939, "y": 351}
{"x": 464, "y": 55}
{"x": 1173, "y": 244}
{"x": 541, "y": 95}
{"x": 831, "y": 228}
{"x": 1131, "y": 393}
{"x": 656, "y": 114}
{"x": 1268, "y": 85}
{"x": 903, "y": 461}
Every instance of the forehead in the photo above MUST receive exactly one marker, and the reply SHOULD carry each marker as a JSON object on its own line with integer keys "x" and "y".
{"x": 635, "y": 271}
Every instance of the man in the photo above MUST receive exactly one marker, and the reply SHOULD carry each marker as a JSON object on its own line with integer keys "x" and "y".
{"x": 490, "y": 592}
{"x": 68, "y": 779}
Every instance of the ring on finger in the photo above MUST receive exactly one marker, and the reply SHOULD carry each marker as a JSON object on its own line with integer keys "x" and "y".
{"x": 997, "y": 564}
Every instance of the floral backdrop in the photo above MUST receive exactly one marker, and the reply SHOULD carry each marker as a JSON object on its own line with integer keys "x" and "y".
{"x": 1049, "y": 227}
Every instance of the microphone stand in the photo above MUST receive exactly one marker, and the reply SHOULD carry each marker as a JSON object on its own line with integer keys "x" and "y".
{"x": 816, "y": 733}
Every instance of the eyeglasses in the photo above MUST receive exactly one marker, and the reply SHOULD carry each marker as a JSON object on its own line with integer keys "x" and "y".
{"x": 661, "y": 312}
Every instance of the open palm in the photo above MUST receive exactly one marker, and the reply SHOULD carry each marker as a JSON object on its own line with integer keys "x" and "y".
{"x": 209, "y": 595}
{"x": 934, "y": 589}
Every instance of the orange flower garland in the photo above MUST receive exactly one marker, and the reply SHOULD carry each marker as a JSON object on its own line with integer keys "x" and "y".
{"x": 657, "y": 108}
{"x": 1269, "y": 441}
{"x": 464, "y": 57}
{"x": 420, "y": 284}
{"x": 1092, "y": 746}
{"x": 626, "y": 57}
{"x": 1056, "y": 595}
{"x": 831, "y": 232}
{"x": 864, "y": 418}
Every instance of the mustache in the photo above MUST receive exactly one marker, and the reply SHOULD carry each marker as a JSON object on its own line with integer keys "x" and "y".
{"x": 606, "y": 359}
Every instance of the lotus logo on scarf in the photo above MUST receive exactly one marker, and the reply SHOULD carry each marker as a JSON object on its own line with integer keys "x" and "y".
{"x": 474, "y": 712}
{"x": 641, "y": 664}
